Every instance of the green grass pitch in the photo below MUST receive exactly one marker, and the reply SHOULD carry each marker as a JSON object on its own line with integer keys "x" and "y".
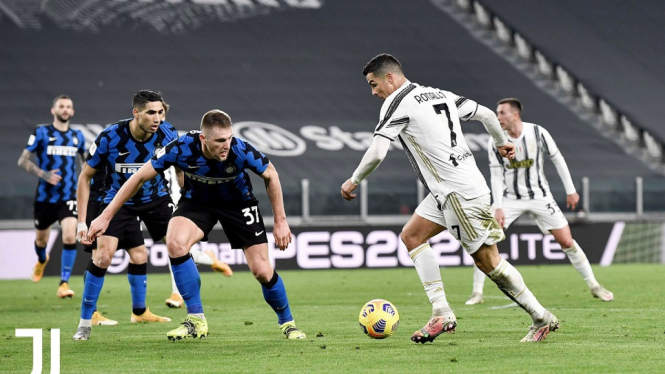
{"x": 625, "y": 335}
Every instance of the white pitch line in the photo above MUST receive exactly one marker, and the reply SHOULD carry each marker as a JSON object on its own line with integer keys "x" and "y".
{"x": 511, "y": 305}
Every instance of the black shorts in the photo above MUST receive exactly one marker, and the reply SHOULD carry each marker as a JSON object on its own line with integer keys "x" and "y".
{"x": 47, "y": 213}
{"x": 132, "y": 235}
{"x": 242, "y": 222}
{"x": 155, "y": 215}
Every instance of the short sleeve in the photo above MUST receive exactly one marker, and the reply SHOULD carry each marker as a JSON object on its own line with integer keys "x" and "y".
{"x": 81, "y": 143}
{"x": 390, "y": 127}
{"x": 166, "y": 157}
{"x": 254, "y": 160}
{"x": 466, "y": 108}
{"x": 34, "y": 140}
{"x": 98, "y": 152}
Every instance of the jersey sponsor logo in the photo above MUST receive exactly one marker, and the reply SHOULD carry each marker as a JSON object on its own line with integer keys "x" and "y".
{"x": 127, "y": 168}
{"x": 427, "y": 96}
{"x": 209, "y": 180}
{"x": 61, "y": 150}
{"x": 520, "y": 164}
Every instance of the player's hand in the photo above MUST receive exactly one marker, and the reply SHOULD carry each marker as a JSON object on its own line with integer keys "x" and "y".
{"x": 82, "y": 233}
{"x": 571, "y": 200}
{"x": 282, "y": 234}
{"x": 500, "y": 216}
{"x": 347, "y": 188}
{"x": 98, "y": 227}
{"x": 508, "y": 151}
{"x": 51, "y": 176}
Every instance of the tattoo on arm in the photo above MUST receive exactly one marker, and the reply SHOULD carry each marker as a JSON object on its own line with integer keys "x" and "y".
{"x": 26, "y": 164}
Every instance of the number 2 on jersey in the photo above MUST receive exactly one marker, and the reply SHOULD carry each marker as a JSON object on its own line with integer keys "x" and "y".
{"x": 438, "y": 108}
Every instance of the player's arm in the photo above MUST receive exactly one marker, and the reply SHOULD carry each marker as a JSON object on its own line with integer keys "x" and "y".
{"x": 82, "y": 197}
{"x": 180, "y": 176}
{"x": 370, "y": 161}
{"x": 561, "y": 168}
{"x": 497, "y": 181}
{"x": 493, "y": 127}
{"x": 281, "y": 230}
{"x": 26, "y": 164}
{"x": 128, "y": 189}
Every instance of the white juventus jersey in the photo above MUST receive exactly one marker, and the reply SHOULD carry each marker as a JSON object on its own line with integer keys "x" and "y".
{"x": 523, "y": 177}
{"x": 426, "y": 121}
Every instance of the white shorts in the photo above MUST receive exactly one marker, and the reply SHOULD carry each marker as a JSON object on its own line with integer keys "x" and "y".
{"x": 469, "y": 221}
{"x": 545, "y": 211}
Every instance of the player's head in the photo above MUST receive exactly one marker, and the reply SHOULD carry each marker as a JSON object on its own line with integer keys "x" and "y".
{"x": 63, "y": 108}
{"x": 216, "y": 134}
{"x": 148, "y": 109}
{"x": 384, "y": 74}
{"x": 509, "y": 111}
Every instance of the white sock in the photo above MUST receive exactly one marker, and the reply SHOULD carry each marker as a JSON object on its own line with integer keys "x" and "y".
{"x": 478, "y": 280}
{"x": 198, "y": 315}
{"x": 200, "y": 258}
{"x": 85, "y": 323}
{"x": 430, "y": 276}
{"x": 510, "y": 281}
{"x": 581, "y": 263}
{"x": 174, "y": 287}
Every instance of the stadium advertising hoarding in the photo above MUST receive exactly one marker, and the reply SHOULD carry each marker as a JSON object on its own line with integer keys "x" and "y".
{"x": 335, "y": 248}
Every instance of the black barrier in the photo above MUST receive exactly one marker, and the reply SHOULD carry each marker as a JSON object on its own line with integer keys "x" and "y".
{"x": 369, "y": 247}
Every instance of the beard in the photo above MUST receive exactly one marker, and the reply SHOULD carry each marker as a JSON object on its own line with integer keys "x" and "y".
{"x": 62, "y": 119}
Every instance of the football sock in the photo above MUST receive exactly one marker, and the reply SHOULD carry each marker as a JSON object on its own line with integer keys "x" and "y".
{"x": 41, "y": 253}
{"x": 427, "y": 267}
{"x": 581, "y": 263}
{"x": 478, "y": 280}
{"x": 138, "y": 284}
{"x": 510, "y": 281}
{"x": 67, "y": 261}
{"x": 173, "y": 286}
{"x": 94, "y": 281}
{"x": 188, "y": 280}
{"x": 275, "y": 295}
{"x": 200, "y": 258}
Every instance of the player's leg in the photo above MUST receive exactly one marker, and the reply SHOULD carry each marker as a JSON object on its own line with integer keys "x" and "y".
{"x": 44, "y": 217}
{"x": 426, "y": 222}
{"x": 274, "y": 291}
{"x": 137, "y": 275}
{"x": 94, "y": 281}
{"x": 512, "y": 209}
{"x": 202, "y": 256}
{"x": 579, "y": 260}
{"x": 182, "y": 233}
{"x": 68, "y": 257}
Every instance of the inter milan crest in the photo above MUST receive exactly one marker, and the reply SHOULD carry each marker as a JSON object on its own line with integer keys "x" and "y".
{"x": 230, "y": 169}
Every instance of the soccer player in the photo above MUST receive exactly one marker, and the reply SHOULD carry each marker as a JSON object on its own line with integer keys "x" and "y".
{"x": 519, "y": 186}
{"x": 217, "y": 189}
{"x": 121, "y": 149}
{"x": 176, "y": 182}
{"x": 56, "y": 146}
{"x": 426, "y": 121}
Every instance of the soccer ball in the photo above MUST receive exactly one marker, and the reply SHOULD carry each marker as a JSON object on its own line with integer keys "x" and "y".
{"x": 378, "y": 319}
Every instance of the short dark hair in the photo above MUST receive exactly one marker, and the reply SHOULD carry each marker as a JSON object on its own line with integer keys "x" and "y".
{"x": 513, "y": 102}
{"x": 215, "y": 118}
{"x": 382, "y": 64}
{"x": 142, "y": 97}
{"x": 61, "y": 97}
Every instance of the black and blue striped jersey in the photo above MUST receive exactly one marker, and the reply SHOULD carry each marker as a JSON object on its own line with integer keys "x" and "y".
{"x": 212, "y": 181}
{"x": 57, "y": 150}
{"x": 117, "y": 153}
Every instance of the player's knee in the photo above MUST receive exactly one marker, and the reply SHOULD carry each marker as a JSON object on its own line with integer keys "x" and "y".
{"x": 263, "y": 274}
{"x": 176, "y": 246}
{"x": 68, "y": 239}
{"x": 566, "y": 243}
{"x": 410, "y": 241}
{"x": 102, "y": 259}
{"x": 39, "y": 242}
